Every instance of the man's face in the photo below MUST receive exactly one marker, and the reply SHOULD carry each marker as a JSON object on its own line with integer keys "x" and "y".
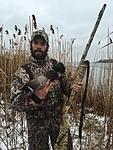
{"x": 39, "y": 48}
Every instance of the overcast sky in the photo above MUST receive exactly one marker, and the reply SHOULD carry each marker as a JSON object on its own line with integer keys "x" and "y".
{"x": 75, "y": 18}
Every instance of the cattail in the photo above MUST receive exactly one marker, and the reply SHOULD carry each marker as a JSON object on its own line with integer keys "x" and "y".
{"x": 14, "y": 36}
{"x": 110, "y": 40}
{"x": 7, "y": 32}
{"x": 73, "y": 40}
{"x": 98, "y": 42}
{"x": 19, "y": 32}
{"x": 1, "y": 28}
{"x": 25, "y": 38}
{"x": 35, "y": 25}
{"x": 33, "y": 17}
{"x": 51, "y": 28}
{"x": 16, "y": 28}
{"x": 61, "y": 36}
{"x": 34, "y": 21}
{"x": 26, "y": 30}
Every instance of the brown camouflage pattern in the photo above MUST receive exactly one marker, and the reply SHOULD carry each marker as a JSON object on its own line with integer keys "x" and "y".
{"x": 42, "y": 33}
{"x": 44, "y": 120}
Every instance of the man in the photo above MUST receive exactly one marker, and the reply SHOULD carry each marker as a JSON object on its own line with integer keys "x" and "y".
{"x": 44, "y": 107}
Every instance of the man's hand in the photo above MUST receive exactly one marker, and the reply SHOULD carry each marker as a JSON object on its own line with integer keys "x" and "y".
{"x": 77, "y": 87}
{"x": 43, "y": 92}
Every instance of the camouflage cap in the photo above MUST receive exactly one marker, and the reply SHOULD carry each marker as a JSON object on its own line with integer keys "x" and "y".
{"x": 41, "y": 33}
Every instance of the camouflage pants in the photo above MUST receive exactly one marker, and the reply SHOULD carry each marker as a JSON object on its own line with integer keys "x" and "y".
{"x": 41, "y": 128}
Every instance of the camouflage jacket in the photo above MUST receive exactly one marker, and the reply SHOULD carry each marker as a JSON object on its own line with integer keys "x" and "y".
{"x": 54, "y": 100}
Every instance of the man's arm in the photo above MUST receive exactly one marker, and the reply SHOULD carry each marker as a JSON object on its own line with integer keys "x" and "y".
{"x": 22, "y": 98}
{"x": 20, "y": 78}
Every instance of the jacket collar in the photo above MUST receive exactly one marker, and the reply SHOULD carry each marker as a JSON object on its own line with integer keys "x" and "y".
{"x": 40, "y": 62}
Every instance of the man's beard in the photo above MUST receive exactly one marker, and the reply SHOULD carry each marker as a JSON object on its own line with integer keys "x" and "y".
{"x": 38, "y": 54}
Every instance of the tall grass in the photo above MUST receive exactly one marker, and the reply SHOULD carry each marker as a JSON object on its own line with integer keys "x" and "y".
{"x": 99, "y": 97}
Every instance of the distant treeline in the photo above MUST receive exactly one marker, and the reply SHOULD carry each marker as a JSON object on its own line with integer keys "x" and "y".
{"x": 105, "y": 61}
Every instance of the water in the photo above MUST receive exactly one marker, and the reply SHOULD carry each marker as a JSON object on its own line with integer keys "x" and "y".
{"x": 100, "y": 71}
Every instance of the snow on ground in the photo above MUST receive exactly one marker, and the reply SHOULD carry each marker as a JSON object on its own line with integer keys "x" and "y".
{"x": 94, "y": 133}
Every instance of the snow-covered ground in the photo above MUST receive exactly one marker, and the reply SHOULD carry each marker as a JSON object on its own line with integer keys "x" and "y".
{"x": 13, "y": 132}
{"x": 94, "y": 132}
